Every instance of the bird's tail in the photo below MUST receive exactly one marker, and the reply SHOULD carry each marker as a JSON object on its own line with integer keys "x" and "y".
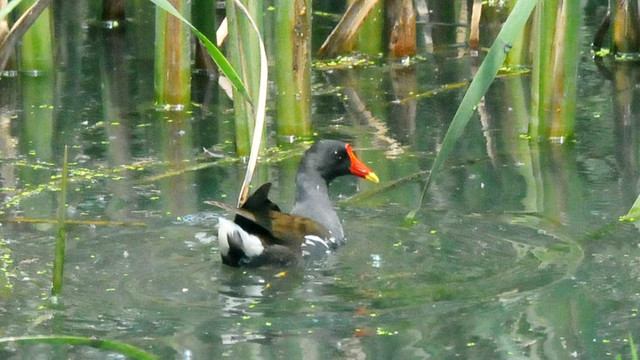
{"x": 235, "y": 244}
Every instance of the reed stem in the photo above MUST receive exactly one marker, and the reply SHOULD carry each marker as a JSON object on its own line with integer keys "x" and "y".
{"x": 36, "y": 50}
{"x": 402, "y": 40}
{"x": 61, "y": 234}
{"x": 371, "y": 33}
{"x": 626, "y": 27}
{"x": 173, "y": 57}
{"x": 113, "y": 11}
{"x": 293, "y": 73}
{"x": 520, "y": 54}
{"x": 555, "y": 70}
{"x": 204, "y": 19}
{"x": 244, "y": 55}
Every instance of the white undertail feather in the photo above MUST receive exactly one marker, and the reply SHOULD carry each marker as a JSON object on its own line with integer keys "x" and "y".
{"x": 250, "y": 244}
{"x": 224, "y": 227}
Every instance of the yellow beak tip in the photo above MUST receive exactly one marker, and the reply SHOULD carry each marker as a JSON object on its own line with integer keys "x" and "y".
{"x": 372, "y": 177}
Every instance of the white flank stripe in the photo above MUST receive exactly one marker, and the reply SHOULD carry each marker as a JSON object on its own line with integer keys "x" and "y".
{"x": 313, "y": 239}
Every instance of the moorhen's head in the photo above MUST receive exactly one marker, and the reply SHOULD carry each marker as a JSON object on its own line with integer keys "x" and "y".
{"x": 333, "y": 158}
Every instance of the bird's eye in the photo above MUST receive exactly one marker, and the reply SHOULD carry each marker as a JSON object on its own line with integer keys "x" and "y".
{"x": 336, "y": 155}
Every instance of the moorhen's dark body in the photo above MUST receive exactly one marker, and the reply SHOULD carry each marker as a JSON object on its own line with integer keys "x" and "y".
{"x": 262, "y": 234}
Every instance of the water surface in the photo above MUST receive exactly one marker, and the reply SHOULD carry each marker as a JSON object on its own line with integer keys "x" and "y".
{"x": 517, "y": 251}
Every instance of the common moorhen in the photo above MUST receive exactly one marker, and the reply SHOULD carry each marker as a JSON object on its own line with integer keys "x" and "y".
{"x": 261, "y": 234}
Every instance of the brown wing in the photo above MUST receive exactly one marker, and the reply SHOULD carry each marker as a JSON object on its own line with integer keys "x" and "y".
{"x": 275, "y": 227}
{"x": 292, "y": 229}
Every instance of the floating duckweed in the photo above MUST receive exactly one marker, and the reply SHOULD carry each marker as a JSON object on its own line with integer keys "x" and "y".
{"x": 382, "y": 331}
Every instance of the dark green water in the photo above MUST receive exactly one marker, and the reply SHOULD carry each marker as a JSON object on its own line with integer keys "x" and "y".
{"x": 516, "y": 253}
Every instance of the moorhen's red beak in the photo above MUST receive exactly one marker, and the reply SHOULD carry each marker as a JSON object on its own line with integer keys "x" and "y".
{"x": 358, "y": 168}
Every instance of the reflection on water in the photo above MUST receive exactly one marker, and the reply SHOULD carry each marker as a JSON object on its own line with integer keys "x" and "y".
{"x": 516, "y": 253}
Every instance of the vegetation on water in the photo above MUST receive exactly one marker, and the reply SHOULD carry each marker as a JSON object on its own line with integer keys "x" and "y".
{"x": 537, "y": 38}
{"x": 106, "y": 345}
{"x": 632, "y": 350}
